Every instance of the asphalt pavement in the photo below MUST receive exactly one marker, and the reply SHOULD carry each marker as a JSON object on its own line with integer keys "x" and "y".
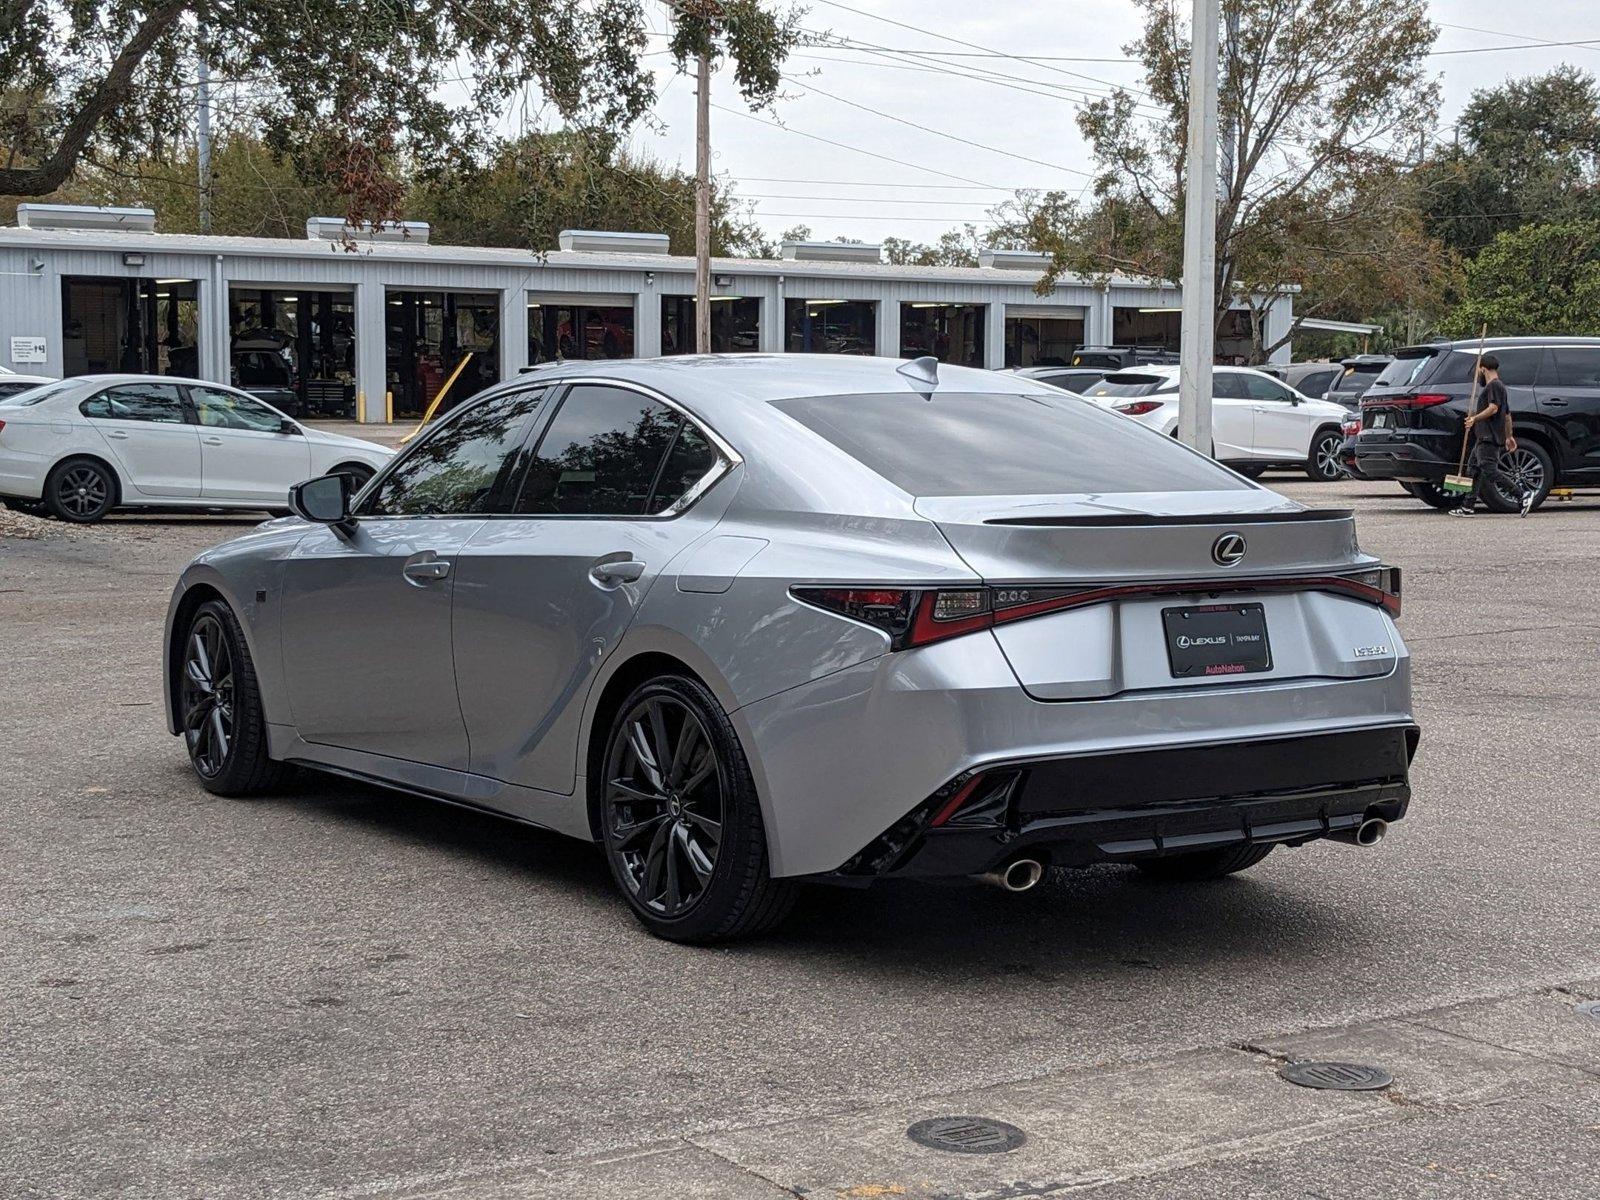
{"x": 340, "y": 991}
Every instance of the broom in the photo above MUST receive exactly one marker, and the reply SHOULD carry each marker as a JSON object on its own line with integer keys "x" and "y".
{"x": 1460, "y": 483}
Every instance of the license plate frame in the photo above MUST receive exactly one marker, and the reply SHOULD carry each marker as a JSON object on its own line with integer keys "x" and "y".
{"x": 1193, "y": 651}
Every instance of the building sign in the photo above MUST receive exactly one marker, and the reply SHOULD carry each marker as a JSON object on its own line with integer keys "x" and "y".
{"x": 27, "y": 349}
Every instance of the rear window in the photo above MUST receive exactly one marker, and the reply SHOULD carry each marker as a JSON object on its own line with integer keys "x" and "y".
{"x": 1406, "y": 369}
{"x": 976, "y": 444}
{"x": 36, "y": 393}
{"x": 1128, "y": 383}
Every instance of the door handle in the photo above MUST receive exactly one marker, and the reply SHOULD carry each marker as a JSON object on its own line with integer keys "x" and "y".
{"x": 611, "y": 572}
{"x": 422, "y": 567}
{"x": 120, "y": 434}
{"x": 1556, "y": 402}
{"x": 212, "y": 441}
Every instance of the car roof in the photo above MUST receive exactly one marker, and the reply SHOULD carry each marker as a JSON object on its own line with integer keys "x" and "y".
{"x": 715, "y": 382}
{"x": 1500, "y": 343}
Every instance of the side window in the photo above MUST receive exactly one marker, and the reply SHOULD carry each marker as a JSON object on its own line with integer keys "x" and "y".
{"x": 1518, "y": 368}
{"x": 464, "y": 467}
{"x": 601, "y": 454}
{"x": 688, "y": 461}
{"x": 1225, "y": 385}
{"x": 158, "y": 403}
{"x": 1318, "y": 383}
{"x": 1576, "y": 367}
{"x": 1258, "y": 387}
{"x": 232, "y": 410}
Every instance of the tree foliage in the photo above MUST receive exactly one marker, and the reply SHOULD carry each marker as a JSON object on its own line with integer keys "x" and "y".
{"x": 1526, "y": 152}
{"x": 1319, "y": 103}
{"x": 1538, "y": 279}
{"x": 349, "y": 90}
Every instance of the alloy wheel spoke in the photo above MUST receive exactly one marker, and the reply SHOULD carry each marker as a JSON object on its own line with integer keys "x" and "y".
{"x": 654, "y": 864}
{"x": 701, "y": 772}
{"x": 197, "y": 712}
{"x": 219, "y": 734}
{"x": 636, "y": 836}
{"x": 688, "y": 740}
{"x": 639, "y": 743}
{"x": 658, "y": 737}
{"x": 201, "y": 658}
{"x": 699, "y": 861}
{"x": 711, "y": 829}
{"x": 631, "y": 792}
{"x": 672, "y": 897}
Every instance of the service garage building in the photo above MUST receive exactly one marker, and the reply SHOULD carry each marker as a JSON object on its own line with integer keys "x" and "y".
{"x": 363, "y": 327}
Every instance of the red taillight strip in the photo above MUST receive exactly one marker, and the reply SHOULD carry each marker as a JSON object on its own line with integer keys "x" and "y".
{"x": 1284, "y": 583}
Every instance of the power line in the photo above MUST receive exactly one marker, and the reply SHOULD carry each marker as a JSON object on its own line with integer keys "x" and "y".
{"x": 811, "y": 87}
{"x": 1590, "y": 42}
{"x": 899, "y": 162}
{"x": 953, "y": 187}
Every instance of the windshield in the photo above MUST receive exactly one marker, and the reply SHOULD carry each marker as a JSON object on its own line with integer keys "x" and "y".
{"x": 1127, "y": 383}
{"x": 980, "y": 444}
{"x": 35, "y": 394}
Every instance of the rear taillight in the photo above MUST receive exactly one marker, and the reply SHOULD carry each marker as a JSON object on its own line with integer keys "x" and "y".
{"x": 920, "y": 616}
{"x": 1418, "y": 400}
{"x": 1137, "y": 408}
{"x": 2, "y": 426}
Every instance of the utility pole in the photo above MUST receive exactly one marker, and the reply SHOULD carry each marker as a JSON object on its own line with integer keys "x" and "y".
{"x": 702, "y": 206}
{"x": 1200, "y": 235}
{"x": 204, "y": 156}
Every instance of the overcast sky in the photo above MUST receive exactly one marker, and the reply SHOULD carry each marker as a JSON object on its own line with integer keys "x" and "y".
{"x": 838, "y": 192}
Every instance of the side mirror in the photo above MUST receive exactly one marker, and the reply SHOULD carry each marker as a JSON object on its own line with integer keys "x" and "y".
{"x": 325, "y": 500}
{"x": 286, "y": 426}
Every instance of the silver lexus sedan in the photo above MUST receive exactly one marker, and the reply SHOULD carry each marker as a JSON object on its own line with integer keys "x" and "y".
{"x": 756, "y": 619}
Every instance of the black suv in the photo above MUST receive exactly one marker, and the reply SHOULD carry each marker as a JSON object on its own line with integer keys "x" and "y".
{"x": 1117, "y": 358}
{"x": 1411, "y": 418}
{"x": 1360, "y": 373}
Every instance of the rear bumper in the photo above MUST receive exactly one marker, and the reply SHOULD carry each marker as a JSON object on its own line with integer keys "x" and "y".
{"x": 1428, "y": 459}
{"x": 1080, "y": 810}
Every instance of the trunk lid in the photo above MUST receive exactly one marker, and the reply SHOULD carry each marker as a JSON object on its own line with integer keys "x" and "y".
{"x": 1121, "y": 644}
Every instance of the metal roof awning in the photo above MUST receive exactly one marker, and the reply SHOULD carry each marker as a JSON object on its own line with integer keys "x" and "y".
{"x": 1318, "y": 325}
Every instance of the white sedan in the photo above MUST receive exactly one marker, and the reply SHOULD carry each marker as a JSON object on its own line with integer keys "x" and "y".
{"x": 87, "y": 445}
{"x": 11, "y": 383}
{"x": 1256, "y": 421}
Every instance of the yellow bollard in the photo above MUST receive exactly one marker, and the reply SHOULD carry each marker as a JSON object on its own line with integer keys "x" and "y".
{"x": 361, "y": 407}
{"x": 388, "y": 407}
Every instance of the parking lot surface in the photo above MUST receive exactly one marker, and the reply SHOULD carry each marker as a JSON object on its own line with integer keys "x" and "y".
{"x": 340, "y": 991}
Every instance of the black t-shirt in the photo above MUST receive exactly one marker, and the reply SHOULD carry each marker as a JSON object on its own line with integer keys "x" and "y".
{"x": 1493, "y": 429}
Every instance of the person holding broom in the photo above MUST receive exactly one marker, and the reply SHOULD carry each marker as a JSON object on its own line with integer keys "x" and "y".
{"x": 1490, "y": 428}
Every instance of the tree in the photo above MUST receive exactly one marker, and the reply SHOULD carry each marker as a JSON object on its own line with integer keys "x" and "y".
{"x": 1527, "y": 151}
{"x": 1538, "y": 279}
{"x": 1318, "y": 103}
{"x": 536, "y": 186}
{"x": 349, "y": 89}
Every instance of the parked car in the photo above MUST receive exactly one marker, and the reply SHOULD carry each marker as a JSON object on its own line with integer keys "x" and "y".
{"x": 1313, "y": 379}
{"x": 806, "y": 616}
{"x": 87, "y": 445}
{"x": 11, "y": 383}
{"x": 1072, "y": 379}
{"x": 1115, "y": 358}
{"x": 1412, "y": 416}
{"x": 1257, "y": 422}
{"x": 1359, "y": 373}
{"x": 1349, "y": 433}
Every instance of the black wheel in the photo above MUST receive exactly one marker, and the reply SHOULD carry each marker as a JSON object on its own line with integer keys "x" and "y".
{"x": 356, "y": 473}
{"x": 1532, "y": 470}
{"x": 1322, "y": 464}
{"x": 224, "y": 727}
{"x": 1249, "y": 470}
{"x": 80, "y": 490}
{"x": 1434, "y": 495}
{"x": 680, "y": 819}
{"x": 1204, "y": 864}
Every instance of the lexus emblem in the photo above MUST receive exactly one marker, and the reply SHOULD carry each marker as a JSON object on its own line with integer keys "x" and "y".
{"x": 1228, "y": 550}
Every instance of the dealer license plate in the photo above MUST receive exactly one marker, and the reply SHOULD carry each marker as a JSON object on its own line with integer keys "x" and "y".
{"x": 1216, "y": 640}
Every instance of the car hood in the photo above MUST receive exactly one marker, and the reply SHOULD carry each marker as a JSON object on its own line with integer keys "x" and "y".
{"x": 324, "y": 438}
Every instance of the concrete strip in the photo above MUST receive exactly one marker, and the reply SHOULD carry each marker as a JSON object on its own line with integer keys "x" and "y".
{"x": 1082, "y": 1129}
{"x": 1545, "y": 1025}
{"x": 1430, "y": 1067}
{"x": 677, "y": 1170}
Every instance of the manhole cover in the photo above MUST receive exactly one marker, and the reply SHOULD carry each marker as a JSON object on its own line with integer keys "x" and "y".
{"x": 1590, "y": 1009}
{"x": 967, "y": 1135}
{"x": 1339, "y": 1076}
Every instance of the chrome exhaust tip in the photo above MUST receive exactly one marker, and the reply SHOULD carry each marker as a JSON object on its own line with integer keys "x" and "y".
{"x": 1018, "y": 875}
{"x": 1369, "y": 833}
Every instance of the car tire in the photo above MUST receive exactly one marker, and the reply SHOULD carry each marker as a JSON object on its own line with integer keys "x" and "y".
{"x": 1433, "y": 495}
{"x": 219, "y": 707}
{"x": 682, "y": 832}
{"x": 80, "y": 490}
{"x": 1322, "y": 463}
{"x": 1531, "y": 466}
{"x": 1249, "y": 470}
{"x": 1200, "y": 865}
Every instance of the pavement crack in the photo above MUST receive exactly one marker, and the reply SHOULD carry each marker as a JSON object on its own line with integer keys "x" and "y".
{"x": 1251, "y": 1048}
